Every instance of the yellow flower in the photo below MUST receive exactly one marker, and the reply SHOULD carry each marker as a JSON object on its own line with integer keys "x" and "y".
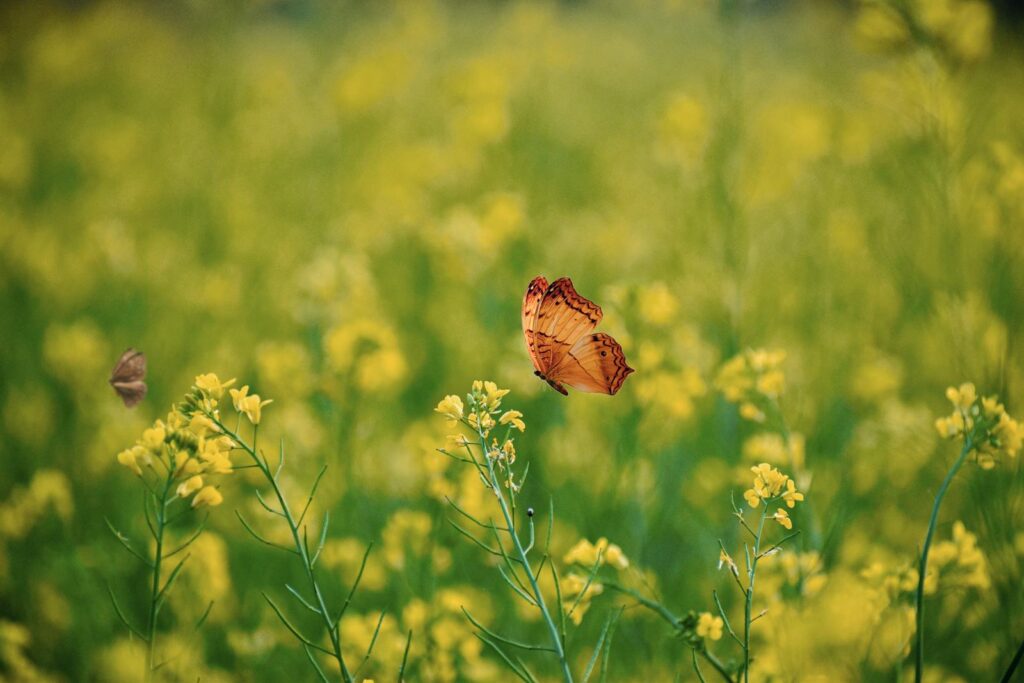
{"x": 963, "y": 397}
{"x": 725, "y": 559}
{"x": 250, "y": 405}
{"x": 949, "y": 427}
{"x": 513, "y": 417}
{"x": 484, "y": 423}
{"x": 201, "y": 425}
{"x": 153, "y": 438}
{"x": 508, "y": 452}
{"x": 992, "y": 407}
{"x": 583, "y": 553}
{"x": 782, "y": 517}
{"x": 748, "y": 375}
{"x": 189, "y": 486}
{"x": 586, "y": 554}
{"x": 771, "y": 383}
{"x": 451, "y": 407}
{"x": 238, "y": 397}
{"x": 134, "y": 457}
{"x": 489, "y": 394}
{"x": 615, "y": 557}
{"x": 207, "y": 496}
{"x": 709, "y": 626}
{"x": 748, "y": 411}
{"x": 791, "y": 495}
{"x": 753, "y": 497}
{"x": 211, "y": 385}
{"x": 455, "y": 443}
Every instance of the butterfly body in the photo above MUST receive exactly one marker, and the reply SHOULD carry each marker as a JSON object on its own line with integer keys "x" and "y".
{"x": 128, "y": 375}
{"x": 558, "y": 326}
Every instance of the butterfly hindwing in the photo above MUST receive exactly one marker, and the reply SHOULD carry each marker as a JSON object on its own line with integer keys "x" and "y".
{"x": 130, "y": 392}
{"x": 595, "y": 364}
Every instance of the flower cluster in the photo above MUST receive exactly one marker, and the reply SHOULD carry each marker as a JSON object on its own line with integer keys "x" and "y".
{"x": 709, "y": 626}
{"x": 960, "y": 561}
{"x": 189, "y": 447}
{"x": 960, "y": 29}
{"x": 984, "y": 421}
{"x": 577, "y": 593}
{"x": 751, "y": 379}
{"x": 770, "y": 485}
{"x": 587, "y": 554}
{"x": 482, "y": 413}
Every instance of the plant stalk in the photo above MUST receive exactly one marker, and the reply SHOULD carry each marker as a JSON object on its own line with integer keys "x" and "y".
{"x": 923, "y": 566}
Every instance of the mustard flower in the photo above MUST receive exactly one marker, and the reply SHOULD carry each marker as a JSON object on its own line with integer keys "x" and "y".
{"x": 249, "y": 405}
{"x": 791, "y": 495}
{"x": 513, "y": 417}
{"x": 725, "y": 559}
{"x": 750, "y": 378}
{"x": 208, "y": 495}
{"x": 782, "y": 517}
{"x": 586, "y": 554}
{"x": 211, "y": 385}
{"x": 488, "y": 394}
{"x": 189, "y": 486}
{"x": 984, "y": 420}
{"x": 482, "y": 422}
{"x": 709, "y": 626}
{"x": 133, "y": 458}
{"x": 153, "y": 438}
{"x": 451, "y": 407}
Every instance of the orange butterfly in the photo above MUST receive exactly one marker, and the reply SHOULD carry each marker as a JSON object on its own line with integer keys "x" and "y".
{"x": 558, "y": 324}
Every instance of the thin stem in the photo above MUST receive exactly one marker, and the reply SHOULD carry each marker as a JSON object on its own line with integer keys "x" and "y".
{"x": 1014, "y": 663}
{"x": 158, "y": 557}
{"x": 748, "y": 607}
{"x": 673, "y": 620}
{"x": 556, "y": 639}
{"x": 333, "y": 631}
{"x": 923, "y": 566}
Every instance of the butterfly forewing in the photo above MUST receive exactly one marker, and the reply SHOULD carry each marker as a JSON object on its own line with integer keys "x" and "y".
{"x": 531, "y": 302}
{"x": 563, "y": 316}
{"x": 128, "y": 375}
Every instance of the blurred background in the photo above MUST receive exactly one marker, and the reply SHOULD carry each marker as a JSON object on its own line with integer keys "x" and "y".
{"x": 341, "y": 204}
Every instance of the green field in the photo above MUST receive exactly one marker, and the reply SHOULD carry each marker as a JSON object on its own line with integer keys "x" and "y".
{"x": 341, "y": 204}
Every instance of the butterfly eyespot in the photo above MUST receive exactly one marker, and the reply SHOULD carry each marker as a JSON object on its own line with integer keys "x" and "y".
{"x": 529, "y": 512}
{"x": 604, "y": 353}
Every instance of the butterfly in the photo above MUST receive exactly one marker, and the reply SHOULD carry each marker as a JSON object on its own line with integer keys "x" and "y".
{"x": 558, "y": 324}
{"x": 128, "y": 375}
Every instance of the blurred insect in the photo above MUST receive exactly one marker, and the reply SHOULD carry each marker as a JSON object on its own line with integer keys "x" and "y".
{"x": 128, "y": 375}
{"x": 558, "y": 325}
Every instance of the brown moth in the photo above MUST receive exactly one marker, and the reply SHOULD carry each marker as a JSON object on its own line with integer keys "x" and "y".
{"x": 128, "y": 375}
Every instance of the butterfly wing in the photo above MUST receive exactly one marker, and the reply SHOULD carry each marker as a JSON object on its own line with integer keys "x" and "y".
{"x": 130, "y": 392}
{"x": 127, "y": 377}
{"x": 594, "y": 364}
{"x": 131, "y": 366}
{"x": 531, "y": 302}
{"x": 563, "y": 316}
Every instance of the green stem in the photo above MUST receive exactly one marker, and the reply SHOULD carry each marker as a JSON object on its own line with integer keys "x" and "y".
{"x": 538, "y": 596}
{"x": 333, "y": 631}
{"x": 923, "y": 566}
{"x": 161, "y": 524}
{"x": 672, "y": 619}
{"x": 749, "y": 602}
